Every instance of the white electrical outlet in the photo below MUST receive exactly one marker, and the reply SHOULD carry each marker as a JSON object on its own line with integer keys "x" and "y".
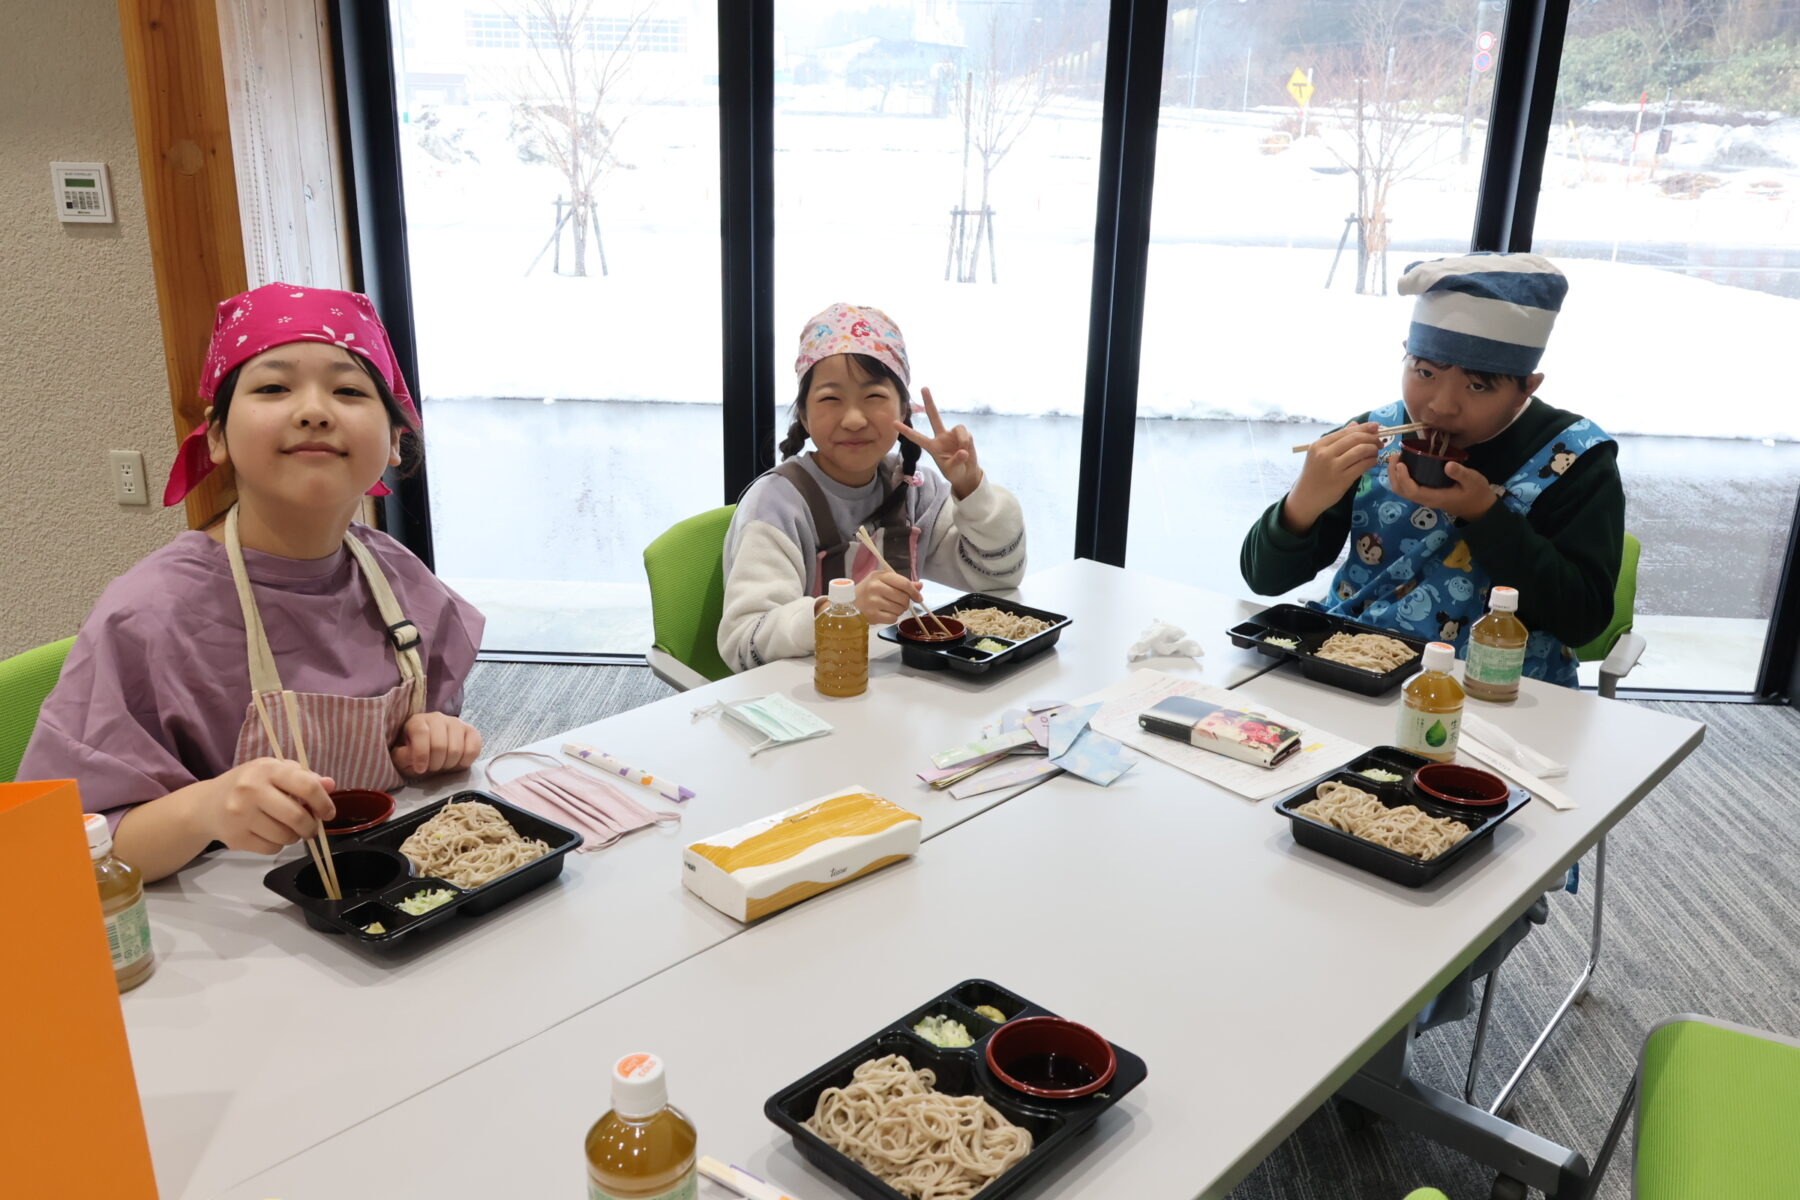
{"x": 128, "y": 477}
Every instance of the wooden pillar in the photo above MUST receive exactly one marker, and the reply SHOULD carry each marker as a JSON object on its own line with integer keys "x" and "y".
{"x": 178, "y": 101}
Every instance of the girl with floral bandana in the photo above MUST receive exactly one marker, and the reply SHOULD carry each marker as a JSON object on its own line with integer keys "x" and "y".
{"x": 795, "y": 528}
{"x": 284, "y": 635}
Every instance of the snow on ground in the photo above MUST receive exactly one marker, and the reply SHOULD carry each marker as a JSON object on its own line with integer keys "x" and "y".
{"x": 863, "y": 211}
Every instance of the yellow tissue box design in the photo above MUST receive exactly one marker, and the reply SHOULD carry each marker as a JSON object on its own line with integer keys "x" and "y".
{"x": 778, "y": 861}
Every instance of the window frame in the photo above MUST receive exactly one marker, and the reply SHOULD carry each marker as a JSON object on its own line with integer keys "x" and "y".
{"x": 1531, "y": 46}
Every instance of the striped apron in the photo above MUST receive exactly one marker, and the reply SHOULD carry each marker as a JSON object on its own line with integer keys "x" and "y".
{"x": 346, "y": 739}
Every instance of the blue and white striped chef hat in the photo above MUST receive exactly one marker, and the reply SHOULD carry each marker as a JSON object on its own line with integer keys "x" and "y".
{"x": 1484, "y": 312}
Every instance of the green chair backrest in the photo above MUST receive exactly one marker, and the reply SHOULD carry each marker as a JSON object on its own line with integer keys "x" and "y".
{"x": 686, "y": 566}
{"x": 1718, "y": 1107}
{"x": 1624, "y": 606}
{"x": 25, "y": 679}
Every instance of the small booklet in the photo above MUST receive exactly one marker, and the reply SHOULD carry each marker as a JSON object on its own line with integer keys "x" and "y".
{"x": 1240, "y": 735}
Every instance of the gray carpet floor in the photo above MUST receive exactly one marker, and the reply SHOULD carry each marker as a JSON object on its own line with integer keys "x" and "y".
{"x": 1702, "y": 915}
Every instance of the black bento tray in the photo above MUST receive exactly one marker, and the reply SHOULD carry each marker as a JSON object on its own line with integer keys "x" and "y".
{"x": 1310, "y": 628}
{"x": 962, "y": 655}
{"x": 375, "y": 876}
{"x": 1054, "y": 1124}
{"x": 1391, "y": 864}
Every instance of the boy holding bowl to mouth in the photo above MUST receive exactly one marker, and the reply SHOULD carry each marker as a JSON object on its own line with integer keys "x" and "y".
{"x": 1533, "y": 501}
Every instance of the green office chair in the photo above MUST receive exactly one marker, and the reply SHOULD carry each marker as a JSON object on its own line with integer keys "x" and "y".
{"x": 1617, "y": 650}
{"x": 686, "y": 566}
{"x": 25, "y": 680}
{"x": 1717, "y": 1105}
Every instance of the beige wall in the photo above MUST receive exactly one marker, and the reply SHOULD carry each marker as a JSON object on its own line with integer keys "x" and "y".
{"x": 81, "y": 359}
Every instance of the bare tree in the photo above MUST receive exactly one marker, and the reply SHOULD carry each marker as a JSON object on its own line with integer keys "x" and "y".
{"x": 566, "y": 100}
{"x": 1388, "y": 93}
{"x": 1002, "y": 90}
{"x": 1665, "y": 29}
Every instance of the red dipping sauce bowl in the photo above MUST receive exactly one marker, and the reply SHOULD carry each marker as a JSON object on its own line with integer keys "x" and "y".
{"x": 359, "y": 809}
{"x": 1427, "y": 468}
{"x": 1051, "y": 1058}
{"x": 1456, "y": 784}
{"x": 926, "y": 632}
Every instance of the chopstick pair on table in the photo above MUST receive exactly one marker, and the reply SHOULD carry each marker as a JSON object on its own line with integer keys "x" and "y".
{"x": 862, "y": 535}
{"x": 1386, "y": 431}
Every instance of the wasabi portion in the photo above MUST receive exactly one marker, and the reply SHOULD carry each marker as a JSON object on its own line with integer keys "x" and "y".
{"x": 943, "y": 1031}
{"x": 375, "y": 927}
{"x": 420, "y": 903}
{"x": 991, "y": 1013}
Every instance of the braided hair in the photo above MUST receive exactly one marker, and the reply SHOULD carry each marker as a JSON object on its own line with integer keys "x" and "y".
{"x": 870, "y": 368}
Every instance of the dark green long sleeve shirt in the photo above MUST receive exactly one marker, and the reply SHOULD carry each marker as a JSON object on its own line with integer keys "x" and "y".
{"x": 1563, "y": 555}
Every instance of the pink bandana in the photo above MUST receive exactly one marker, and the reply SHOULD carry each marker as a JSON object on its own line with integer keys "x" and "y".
{"x": 853, "y": 329}
{"x": 274, "y": 315}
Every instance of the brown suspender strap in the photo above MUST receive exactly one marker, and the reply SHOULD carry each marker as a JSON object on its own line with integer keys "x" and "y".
{"x": 897, "y": 548}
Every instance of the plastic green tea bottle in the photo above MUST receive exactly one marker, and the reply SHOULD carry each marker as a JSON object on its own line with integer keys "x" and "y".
{"x": 841, "y": 644}
{"x": 1496, "y": 650}
{"x": 122, "y": 903}
{"x": 644, "y": 1148}
{"x": 1431, "y": 707}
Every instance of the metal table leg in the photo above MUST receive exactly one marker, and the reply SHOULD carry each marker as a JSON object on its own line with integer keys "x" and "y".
{"x": 1384, "y": 1087}
{"x": 1576, "y": 993}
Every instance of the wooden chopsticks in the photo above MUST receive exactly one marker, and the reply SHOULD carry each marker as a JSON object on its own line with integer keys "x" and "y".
{"x": 321, "y": 851}
{"x": 862, "y": 535}
{"x": 1386, "y": 431}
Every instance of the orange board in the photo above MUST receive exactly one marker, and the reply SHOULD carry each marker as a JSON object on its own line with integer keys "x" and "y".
{"x": 70, "y": 1123}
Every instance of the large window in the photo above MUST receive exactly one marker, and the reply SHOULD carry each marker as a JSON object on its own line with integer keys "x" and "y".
{"x": 1305, "y": 155}
{"x": 938, "y": 160}
{"x": 562, "y": 198}
{"x": 1669, "y": 196}
{"x": 944, "y": 160}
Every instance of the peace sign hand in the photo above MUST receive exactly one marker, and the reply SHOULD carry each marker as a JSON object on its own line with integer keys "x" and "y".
{"x": 953, "y": 450}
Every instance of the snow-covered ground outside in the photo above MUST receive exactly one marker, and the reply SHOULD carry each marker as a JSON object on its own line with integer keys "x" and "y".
{"x": 1239, "y": 326}
{"x": 862, "y": 214}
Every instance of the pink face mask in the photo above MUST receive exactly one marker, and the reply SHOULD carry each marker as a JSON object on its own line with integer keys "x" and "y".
{"x": 596, "y": 809}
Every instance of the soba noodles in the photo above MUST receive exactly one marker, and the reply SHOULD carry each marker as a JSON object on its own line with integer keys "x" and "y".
{"x": 1370, "y": 651}
{"x": 994, "y": 622}
{"x": 469, "y": 844}
{"x": 921, "y": 1142}
{"x": 1407, "y": 829}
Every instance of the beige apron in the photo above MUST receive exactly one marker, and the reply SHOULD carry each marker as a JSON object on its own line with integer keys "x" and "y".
{"x": 346, "y": 739}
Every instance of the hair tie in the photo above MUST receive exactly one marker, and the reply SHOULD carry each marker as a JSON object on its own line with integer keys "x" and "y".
{"x": 913, "y": 480}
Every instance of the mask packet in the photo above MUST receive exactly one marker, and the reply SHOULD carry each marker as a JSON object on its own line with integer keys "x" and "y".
{"x": 774, "y": 720}
{"x": 600, "y": 812}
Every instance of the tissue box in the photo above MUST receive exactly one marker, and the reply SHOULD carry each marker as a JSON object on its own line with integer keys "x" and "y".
{"x": 778, "y": 861}
{"x": 1248, "y": 737}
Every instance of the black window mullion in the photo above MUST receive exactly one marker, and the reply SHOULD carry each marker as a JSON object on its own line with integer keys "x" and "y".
{"x": 1531, "y": 45}
{"x": 747, "y": 223}
{"x": 1781, "y": 648}
{"x": 362, "y": 38}
{"x": 1133, "y": 93}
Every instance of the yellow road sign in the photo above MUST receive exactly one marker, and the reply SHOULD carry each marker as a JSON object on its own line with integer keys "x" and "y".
{"x": 1300, "y": 87}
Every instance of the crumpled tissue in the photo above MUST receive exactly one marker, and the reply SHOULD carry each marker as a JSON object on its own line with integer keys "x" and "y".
{"x": 1163, "y": 640}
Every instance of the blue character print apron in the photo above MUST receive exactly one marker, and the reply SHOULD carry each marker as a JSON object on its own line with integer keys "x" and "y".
{"x": 1410, "y": 572}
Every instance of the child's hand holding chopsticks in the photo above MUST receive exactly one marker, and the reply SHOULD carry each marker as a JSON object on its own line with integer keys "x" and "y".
{"x": 1332, "y": 465}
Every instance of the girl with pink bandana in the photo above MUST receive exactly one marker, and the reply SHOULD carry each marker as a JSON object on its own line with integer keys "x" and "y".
{"x": 227, "y": 683}
{"x": 795, "y": 527}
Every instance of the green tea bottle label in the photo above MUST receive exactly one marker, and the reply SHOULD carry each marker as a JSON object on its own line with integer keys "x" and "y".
{"x": 1431, "y": 734}
{"x": 687, "y": 1189}
{"x": 1493, "y": 665}
{"x": 128, "y": 935}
